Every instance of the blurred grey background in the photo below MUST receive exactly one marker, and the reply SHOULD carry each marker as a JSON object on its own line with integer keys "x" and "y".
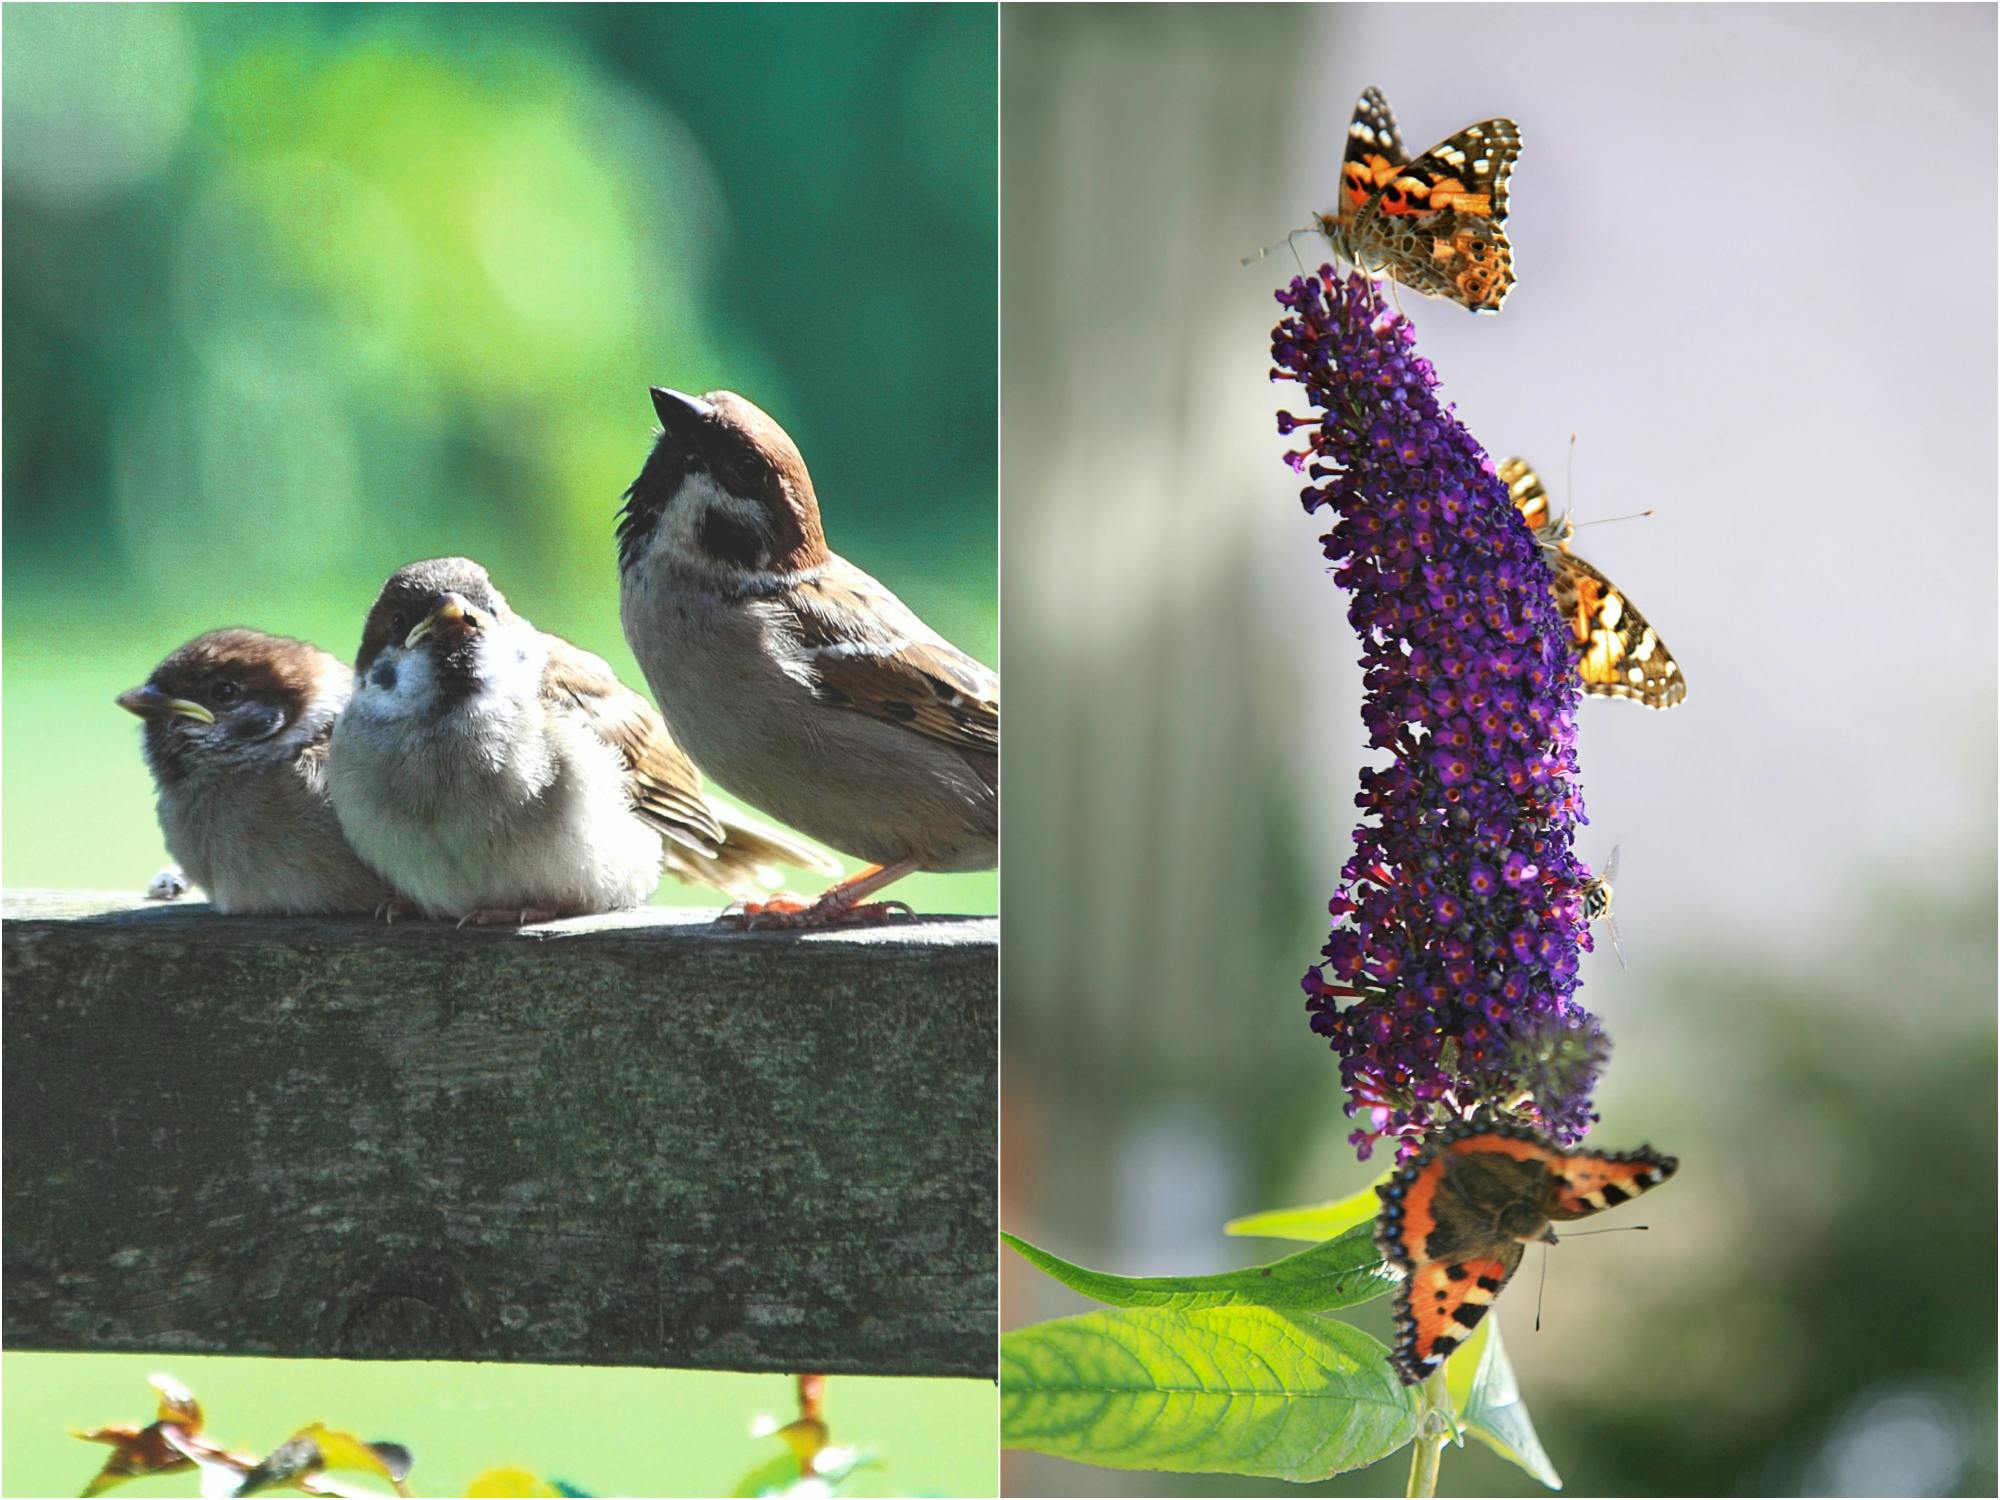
{"x": 1756, "y": 249}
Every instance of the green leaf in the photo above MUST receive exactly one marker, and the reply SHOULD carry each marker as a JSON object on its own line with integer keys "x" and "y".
{"x": 773, "y": 1477}
{"x": 1233, "y": 1390}
{"x": 1492, "y": 1409}
{"x": 1461, "y": 1366}
{"x": 1339, "y": 1273}
{"x": 1311, "y": 1221}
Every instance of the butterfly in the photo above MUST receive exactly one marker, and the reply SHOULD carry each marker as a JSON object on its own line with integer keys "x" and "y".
{"x": 1456, "y": 1219}
{"x": 1433, "y": 224}
{"x": 1617, "y": 654}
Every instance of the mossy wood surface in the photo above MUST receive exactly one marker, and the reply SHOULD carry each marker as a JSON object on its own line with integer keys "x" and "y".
{"x": 628, "y": 1140}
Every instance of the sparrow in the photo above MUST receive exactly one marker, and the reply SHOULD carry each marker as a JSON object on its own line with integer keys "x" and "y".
{"x": 237, "y": 724}
{"x": 796, "y": 681}
{"x": 495, "y": 773}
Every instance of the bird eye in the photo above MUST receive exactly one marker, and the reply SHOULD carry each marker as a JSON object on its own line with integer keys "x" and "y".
{"x": 224, "y": 691}
{"x": 399, "y": 624}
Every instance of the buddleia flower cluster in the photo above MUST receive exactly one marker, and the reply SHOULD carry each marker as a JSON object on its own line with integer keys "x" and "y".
{"x": 1447, "y": 983}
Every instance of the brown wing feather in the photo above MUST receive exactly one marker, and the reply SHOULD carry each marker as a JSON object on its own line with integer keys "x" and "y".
{"x": 938, "y": 693}
{"x": 865, "y": 649}
{"x": 665, "y": 787}
{"x": 747, "y": 864}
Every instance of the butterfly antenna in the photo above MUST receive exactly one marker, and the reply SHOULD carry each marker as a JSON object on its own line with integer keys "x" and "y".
{"x": 1286, "y": 241}
{"x": 1569, "y": 488}
{"x": 1637, "y": 515}
{"x": 1577, "y": 1234}
{"x": 1541, "y": 1287}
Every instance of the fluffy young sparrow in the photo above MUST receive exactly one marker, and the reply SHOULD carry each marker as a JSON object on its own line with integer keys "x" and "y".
{"x": 237, "y": 724}
{"x": 495, "y": 773}
{"x": 794, "y": 679}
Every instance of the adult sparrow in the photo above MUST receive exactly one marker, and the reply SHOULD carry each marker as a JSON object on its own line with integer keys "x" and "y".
{"x": 237, "y": 725}
{"x": 495, "y": 773}
{"x": 795, "y": 680}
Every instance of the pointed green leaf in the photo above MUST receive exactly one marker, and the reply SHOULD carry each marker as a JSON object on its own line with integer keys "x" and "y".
{"x": 1311, "y": 1221}
{"x": 1232, "y": 1390}
{"x": 1339, "y": 1273}
{"x": 772, "y": 1477}
{"x": 1461, "y": 1366}
{"x": 1493, "y": 1410}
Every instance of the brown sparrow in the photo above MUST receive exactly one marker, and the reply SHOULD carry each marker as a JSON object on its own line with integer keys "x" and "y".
{"x": 495, "y": 773}
{"x": 237, "y": 724}
{"x": 794, "y": 679}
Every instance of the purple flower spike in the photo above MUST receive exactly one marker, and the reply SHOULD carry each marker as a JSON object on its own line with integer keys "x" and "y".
{"x": 1447, "y": 983}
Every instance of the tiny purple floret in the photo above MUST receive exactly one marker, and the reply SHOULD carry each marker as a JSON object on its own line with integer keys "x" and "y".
{"x": 1447, "y": 984}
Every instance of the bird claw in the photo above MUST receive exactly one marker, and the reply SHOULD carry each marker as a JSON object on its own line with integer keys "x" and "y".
{"x": 510, "y": 917}
{"x": 393, "y": 908}
{"x": 786, "y": 914}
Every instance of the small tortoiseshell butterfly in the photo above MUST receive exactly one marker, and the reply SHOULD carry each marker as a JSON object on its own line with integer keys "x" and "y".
{"x": 1455, "y": 1220}
{"x": 1434, "y": 224}
{"x": 1617, "y": 654}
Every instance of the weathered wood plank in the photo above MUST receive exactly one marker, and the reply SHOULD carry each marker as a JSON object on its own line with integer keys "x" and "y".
{"x": 621, "y": 1140}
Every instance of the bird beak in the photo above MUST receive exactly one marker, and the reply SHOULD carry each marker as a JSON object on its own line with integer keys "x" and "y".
{"x": 678, "y": 411}
{"x": 149, "y": 702}
{"x": 453, "y": 612}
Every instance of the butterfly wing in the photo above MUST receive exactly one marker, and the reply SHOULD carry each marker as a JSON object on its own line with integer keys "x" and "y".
{"x": 1436, "y": 223}
{"x": 1589, "y": 1183}
{"x": 1374, "y": 152}
{"x": 1438, "y": 1223}
{"x": 1531, "y": 499}
{"x": 1439, "y": 1304}
{"x": 1441, "y": 1223}
{"x": 1617, "y": 653}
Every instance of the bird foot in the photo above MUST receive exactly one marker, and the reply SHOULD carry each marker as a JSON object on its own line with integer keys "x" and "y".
{"x": 784, "y": 913}
{"x": 512, "y": 916}
{"x": 396, "y": 907}
{"x": 168, "y": 885}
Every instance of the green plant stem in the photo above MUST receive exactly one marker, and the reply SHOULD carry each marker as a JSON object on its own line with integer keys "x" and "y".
{"x": 1433, "y": 1432}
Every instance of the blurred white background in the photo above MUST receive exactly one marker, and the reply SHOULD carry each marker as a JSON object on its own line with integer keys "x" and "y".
{"x": 1757, "y": 260}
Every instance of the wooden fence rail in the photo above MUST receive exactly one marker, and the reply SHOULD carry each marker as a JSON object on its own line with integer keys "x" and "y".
{"x": 626, "y": 1140}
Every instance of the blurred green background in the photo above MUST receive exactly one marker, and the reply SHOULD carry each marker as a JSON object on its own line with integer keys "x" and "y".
{"x": 295, "y": 295}
{"x": 1807, "y": 890}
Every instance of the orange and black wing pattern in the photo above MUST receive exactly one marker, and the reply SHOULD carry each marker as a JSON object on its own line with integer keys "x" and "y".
{"x": 1591, "y": 1183}
{"x": 1439, "y": 1306}
{"x": 1435, "y": 223}
{"x": 1617, "y": 653}
{"x": 1374, "y": 153}
{"x": 1456, "y": 1218}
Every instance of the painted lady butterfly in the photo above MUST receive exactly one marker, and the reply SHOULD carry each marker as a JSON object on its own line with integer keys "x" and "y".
{"x": 1456, "y": 1218}
{"x": 1617, "y": 654}
{"x": 1433, "y": 224}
